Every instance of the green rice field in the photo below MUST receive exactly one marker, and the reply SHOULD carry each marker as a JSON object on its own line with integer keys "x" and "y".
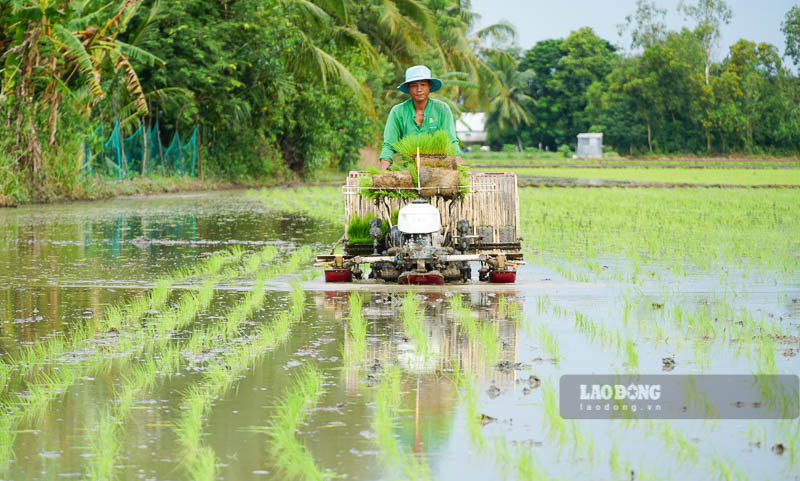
{"x": 190, "y": 337}
{"x": 664, "y": 175}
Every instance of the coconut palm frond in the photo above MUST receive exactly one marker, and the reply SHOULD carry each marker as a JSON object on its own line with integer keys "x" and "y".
{"x": 309, "y": 12}
{"x": 419, "y": 13}
{"x": 400, "y": 27}
{"x": 93, "y": 17}
{"x": 141, "y": 31}
{"x": 500, "y": 31}
{"x": 361, "y": 40}
{"x": 170, "y": 95}
{"x": 454, "y": 75}
{"x": 337, "y": 7}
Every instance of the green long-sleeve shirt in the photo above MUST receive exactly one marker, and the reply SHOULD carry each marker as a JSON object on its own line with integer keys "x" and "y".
{"x": 401, "y": 123}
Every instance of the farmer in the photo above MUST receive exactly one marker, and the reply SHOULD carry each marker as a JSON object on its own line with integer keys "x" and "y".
{"x": 417, "y": 115}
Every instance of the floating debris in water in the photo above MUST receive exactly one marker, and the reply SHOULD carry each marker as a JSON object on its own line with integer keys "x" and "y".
{"x": 486, "y": 419}
{"x": 508, "y": 366}
{"x": 533, "y": 381}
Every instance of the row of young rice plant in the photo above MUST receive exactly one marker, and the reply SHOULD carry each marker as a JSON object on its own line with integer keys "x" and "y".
{"x": 553, "y": 159}
{"x": 324, "y": 203}
{"x": 709, "y": 176}
{"x": 197, "y": 459}
{"x": 170, "y": 357}
{"x": 45, "y": 372}
{"x": 581, "y": 444}
{"x": 706, "y": 229}
{"x": 746, "y": 333}
{"x": 34, "y": 356}
{"x": 292, "y": 457}
{"x": 130, "y": 340}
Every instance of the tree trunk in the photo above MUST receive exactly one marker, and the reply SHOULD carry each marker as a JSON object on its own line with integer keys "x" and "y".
{"x": 519, "y": 144}
{"x": 649, "y": 136}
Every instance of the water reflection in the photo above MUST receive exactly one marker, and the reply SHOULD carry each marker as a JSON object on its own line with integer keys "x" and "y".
{"x": 62, "y": 264}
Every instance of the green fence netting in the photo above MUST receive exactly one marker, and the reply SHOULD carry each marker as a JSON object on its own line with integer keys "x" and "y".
{"x": 142, "y": 153}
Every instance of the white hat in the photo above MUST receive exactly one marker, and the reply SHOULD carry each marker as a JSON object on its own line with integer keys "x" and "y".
{"x": 419, "y": 72}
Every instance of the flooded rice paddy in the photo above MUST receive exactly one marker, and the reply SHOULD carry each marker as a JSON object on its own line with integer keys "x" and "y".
{"x": 188, "y": 337}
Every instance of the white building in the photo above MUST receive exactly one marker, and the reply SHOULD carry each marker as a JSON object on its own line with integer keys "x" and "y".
{"x": 471, "y": 128}
{"x": 590, "y": 146}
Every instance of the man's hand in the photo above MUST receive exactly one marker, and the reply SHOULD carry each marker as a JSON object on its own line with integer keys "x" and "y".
{"x": 458, "y": 160}
{"x": 385, "y": 164}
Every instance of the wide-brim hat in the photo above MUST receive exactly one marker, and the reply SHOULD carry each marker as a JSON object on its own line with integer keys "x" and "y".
{"x": 419, "y": 72}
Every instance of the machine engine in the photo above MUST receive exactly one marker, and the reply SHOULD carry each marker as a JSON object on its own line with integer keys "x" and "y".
{"x": 420, "y": 249}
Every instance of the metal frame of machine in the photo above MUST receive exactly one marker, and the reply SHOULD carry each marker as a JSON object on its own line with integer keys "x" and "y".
{"x": 436, "y": 238}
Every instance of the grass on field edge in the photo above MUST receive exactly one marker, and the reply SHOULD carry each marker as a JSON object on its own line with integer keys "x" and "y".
{"x": 99, "y": 188}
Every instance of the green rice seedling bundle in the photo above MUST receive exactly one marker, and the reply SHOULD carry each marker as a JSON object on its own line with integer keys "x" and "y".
{"x": 358, "y": 229}
{"x": 437, "y": 143}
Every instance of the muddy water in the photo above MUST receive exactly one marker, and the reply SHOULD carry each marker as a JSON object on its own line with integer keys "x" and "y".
{"x": 61, "y": 266}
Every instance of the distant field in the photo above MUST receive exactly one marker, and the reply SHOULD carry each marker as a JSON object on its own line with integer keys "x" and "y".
{"x": 722, "y": 176}
{"x": 548, "y": 159}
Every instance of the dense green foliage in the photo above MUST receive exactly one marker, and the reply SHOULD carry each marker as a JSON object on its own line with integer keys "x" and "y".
{"x": 665, "y": 96}
{"x": 283, "y": 88}
{"x": 275, "y": 87}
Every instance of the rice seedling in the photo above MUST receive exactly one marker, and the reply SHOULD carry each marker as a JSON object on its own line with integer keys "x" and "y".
{"x": 631, "y": 356}
{"x": 557, "y": 427}
{"x": 324, "y": 203}
{"x": 42, "y": 390}
{"x": 501, "y": 307}
{"x": 413, "y": 323}
{"x": 527, "y": 467}
{"x": 292, "y": 456}
{"x": 549, "y": 342}
{"x": 357, "y": 326}
{"x": 613, "y": 458}
{"x": 205, "y": 466}
{"x": 387, "y": 405}
{"x": 464, "y": 381}
{"x": 358, "y": 230}
{"x": 104, "y": 445}
{"x": 7, "y": 438}
{"x": 437, "y": 143}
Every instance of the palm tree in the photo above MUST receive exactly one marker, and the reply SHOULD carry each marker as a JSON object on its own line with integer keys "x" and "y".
{"x": 509, "y": 106}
